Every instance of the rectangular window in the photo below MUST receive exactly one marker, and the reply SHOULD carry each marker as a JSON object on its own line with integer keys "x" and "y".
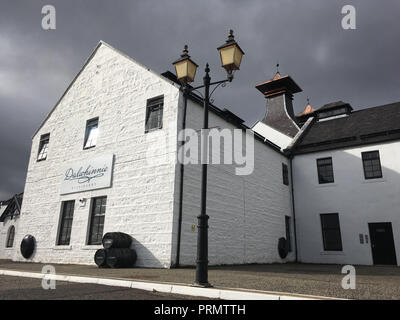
{"x": 97, "y": 220}
{"x": 154, "y": 113}
{"x": 92, "y": 131}
{"x": 43, "y": 146}
{"x": 285, "y": 174}
{"x": 325, "y": 170}
{"x": 287, "y": 228}
{"x": 372, "y": 165}
{"x": 10, "y": 237}
{"x": 67, "y": 216}
{"x": 331, "y": 236}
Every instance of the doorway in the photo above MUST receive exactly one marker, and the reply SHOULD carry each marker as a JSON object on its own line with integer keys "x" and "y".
{"x": 382, "y": 243}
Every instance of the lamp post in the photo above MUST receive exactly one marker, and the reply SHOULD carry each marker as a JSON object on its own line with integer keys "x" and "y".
{"x": 231, "y": 56}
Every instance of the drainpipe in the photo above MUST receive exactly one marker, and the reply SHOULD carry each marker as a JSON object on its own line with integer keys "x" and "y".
{"x": 293, "y": 209}
{"x": 182, "y": 170}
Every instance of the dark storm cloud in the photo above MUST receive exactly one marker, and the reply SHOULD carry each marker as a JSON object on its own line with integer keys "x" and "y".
{"x": 358, "y": 66}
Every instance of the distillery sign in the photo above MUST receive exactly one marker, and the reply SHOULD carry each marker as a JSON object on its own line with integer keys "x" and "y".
{"x": 89, "y": 174}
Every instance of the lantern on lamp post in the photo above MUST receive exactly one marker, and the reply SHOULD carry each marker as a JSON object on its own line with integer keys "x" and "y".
{"x": 231, "y": 54}
{"x": 185, "y": 68}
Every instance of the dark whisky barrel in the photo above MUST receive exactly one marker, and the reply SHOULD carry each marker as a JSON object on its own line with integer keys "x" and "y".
{"x": 121, "y": 257}
{"x": 116, "y": 240}
{"x": 28, "y": 244}
{"x": 100, "y": 258}
{"x": 283, "y": 247}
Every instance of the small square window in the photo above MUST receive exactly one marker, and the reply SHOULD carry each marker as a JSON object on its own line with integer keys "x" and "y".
{"x": 372, "y": 165}
{"x": 325, "y": 170}
{"x": 91, "y": 134}
{"x": 43, "y": 147}
{"x": 285, "y": 174}
{"x": 154, "y": 114}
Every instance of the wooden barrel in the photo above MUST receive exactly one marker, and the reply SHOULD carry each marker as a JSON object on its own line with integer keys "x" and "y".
{"x": 100, "y": 258}
{"x": 116, "y": 240}
{"x": 121, "y": 257}
{"x": 283, "y": 247}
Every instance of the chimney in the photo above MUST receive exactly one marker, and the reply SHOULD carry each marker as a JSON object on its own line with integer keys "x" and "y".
{"x": 279, "y": 94}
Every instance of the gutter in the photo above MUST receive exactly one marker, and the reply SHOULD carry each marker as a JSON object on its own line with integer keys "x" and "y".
{"x": 182, "y": 171}
{"x": 293, "y": 209}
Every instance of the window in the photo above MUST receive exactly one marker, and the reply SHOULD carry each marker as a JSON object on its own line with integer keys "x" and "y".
{"x": 372, "y": 165}
{"x": 154, "y": 113}
{"x": 43, "y": 146}
{"x": 10, "y": 237}
{"x": 332, "y": 113}
{"x": 97, "y": 220}
{"x": 325, "y": 170}
{"x": 92, "y": 131}
{"x": 285, "y": 174}
{"x": 331, "y": 232}
{"x": 287, "y": 228}
{"x": 67, "y": 215}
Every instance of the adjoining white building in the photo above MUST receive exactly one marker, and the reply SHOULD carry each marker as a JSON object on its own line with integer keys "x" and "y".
{"x": 346, "y": 176}
{"x": 104, "y": 160}
{"x": 346, "y": 173}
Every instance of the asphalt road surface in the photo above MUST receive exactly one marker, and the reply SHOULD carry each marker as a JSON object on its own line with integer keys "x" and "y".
{"x": 18, "y": 288}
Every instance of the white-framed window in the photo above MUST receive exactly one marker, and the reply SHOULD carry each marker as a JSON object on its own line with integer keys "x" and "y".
{"x": 91, "y": 133}
{"x": 43, "y": 147}
{"x": 331, "y": 235}
{"x": 67, "y": 216}
{"x": 325, "y": 170}
{"x": 10, "y": 237}
{"x": 154, "y": 113}
{"x": 371, "y": 164}
{"x": 97, "y": 216}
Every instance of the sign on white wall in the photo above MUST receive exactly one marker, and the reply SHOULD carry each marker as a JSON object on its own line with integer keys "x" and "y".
{"x": 88, "y": 174}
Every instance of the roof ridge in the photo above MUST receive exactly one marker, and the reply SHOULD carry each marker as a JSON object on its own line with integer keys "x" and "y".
{"x": 382, "y": 105}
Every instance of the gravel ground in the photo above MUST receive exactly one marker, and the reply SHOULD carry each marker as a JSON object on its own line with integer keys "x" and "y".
{"x": 372, "y": 282}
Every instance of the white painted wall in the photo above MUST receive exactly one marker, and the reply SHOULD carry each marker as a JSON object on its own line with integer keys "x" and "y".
{"x": 358, "y": 202}
{"x": 247, "y": 213}
{"x": 140, "y": 201}
{"x": 272, "y": 134}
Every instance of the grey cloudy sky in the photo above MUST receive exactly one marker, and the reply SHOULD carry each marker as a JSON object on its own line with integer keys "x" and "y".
{"x": 357, "y": 66}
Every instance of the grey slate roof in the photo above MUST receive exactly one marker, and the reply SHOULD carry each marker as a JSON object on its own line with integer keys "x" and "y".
{"x": 372, "y": 125}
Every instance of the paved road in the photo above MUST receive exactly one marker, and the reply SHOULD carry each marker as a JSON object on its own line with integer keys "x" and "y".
{"x": 372, "y": 282}
{"x": 17, "y": 288}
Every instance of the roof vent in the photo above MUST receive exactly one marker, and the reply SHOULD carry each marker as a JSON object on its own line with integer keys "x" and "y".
{"x": 334, "y": 110}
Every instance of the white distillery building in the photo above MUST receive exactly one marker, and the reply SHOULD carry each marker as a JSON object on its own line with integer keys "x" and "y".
{"x": 104, "y": 160}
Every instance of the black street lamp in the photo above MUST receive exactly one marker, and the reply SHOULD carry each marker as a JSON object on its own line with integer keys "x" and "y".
{"x": 231, "y": 56}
